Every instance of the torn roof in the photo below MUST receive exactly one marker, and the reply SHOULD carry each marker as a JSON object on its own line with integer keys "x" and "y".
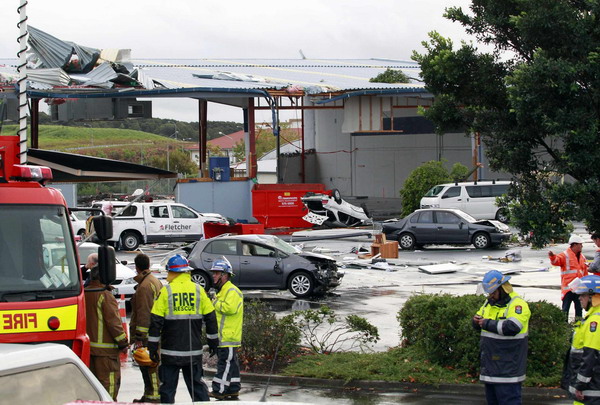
{"x": 74, "y": 71}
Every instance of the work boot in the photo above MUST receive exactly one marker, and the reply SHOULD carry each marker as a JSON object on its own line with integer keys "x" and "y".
{"x": 142, "y": 399}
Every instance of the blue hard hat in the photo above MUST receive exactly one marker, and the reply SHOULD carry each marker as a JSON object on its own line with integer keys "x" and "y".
{"x": 178, "y": 264}
{"x": 587, "y": 285}
{"x": 492, "y": 280}
{"x": 222, "y": 265}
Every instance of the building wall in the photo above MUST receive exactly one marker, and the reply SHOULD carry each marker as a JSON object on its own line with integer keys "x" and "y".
{"x": 359, "y": 154}
{"x": 232, "y": 199}
{"x": 69, "y": 191}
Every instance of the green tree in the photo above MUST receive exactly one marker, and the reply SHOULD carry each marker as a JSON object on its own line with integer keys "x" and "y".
{"x": 390, "y": 76}
{"x": 420, "y": 180}
{"x": 533, "y": 97}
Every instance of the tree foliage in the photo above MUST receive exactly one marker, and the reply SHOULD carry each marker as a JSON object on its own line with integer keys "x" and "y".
{"x": 424, "y": 177}
{"x": 534, "y": 98}
{"x": 390, "y": 76}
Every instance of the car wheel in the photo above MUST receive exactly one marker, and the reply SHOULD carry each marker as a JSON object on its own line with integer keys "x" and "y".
{"x": 407, "y": 241}
{"x": 481, "y": 240}
{"x": 301, "y": 284}
{"x": 130, "y": 240}
{"x": 337, "y": 197}
{"x": 200, "y": 277}
{"x": 502, "y": 215}
{"x": 81, "y": 232}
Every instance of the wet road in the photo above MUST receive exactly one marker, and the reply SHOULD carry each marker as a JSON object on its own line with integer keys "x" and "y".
{"x": 378, "y": 295}
{"x": 132, "y": 387}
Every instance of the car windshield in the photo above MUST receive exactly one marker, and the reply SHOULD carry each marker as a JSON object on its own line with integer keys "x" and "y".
{"x": 38, "y": 255}
{"x": 466, "y": 216}
{"x": 434, "y": 191}
{"x": 278, "y": 243}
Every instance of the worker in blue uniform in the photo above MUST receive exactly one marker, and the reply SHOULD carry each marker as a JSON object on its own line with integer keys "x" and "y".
{"x": 503, "y": 320}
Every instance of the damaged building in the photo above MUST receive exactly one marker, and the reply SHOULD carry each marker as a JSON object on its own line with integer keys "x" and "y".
{"x": 360, "y": 137}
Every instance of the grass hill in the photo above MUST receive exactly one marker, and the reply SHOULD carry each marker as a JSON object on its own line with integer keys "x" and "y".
{"x": 64, "y": 138}
{"x": 113, "y": 143}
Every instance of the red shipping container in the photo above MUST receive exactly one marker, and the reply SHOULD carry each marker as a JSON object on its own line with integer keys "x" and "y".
{"x": 280, "y": 205}
{"x": 212, "y": 229}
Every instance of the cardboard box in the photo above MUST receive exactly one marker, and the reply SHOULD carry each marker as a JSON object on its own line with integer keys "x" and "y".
{"x": 387, "y": 250}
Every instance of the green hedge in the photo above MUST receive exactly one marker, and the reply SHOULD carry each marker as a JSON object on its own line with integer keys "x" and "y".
{"x": 439, "y": 326}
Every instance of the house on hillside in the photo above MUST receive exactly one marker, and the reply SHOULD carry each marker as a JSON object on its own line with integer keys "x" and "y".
{"x": 224, "y": 142}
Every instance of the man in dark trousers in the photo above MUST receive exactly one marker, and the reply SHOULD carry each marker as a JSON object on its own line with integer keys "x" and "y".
{"x": 146, "y": 292}
{"x": 107, "y": 336}
{"x": 176, "y": 325}
{"x": 503, "y": 320}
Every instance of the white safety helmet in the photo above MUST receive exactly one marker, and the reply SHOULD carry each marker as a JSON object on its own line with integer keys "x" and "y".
{"x": 575, "y": 239}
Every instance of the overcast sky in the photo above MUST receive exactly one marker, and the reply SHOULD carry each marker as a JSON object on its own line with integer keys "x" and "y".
{"x": 236, "y": 29}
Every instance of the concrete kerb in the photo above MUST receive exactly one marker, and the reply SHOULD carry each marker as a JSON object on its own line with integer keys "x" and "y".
{"x": 391, "y": 386}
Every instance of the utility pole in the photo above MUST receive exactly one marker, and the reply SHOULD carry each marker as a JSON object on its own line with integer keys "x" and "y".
{"x": 22, "y": 69}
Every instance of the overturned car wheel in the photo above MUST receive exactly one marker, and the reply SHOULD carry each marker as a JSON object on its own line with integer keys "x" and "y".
{"x": 301, "y": 284}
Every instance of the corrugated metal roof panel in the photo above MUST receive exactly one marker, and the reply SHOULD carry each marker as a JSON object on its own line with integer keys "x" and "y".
{"x": 327, "y": 75}
{"x": 53, "y": 52}
{"x": 311, "y": 75}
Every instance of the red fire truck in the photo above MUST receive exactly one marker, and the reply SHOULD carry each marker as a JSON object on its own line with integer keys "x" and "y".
{"x": 41, "y": 291}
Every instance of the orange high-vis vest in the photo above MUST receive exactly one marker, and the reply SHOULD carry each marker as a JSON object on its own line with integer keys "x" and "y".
{"x": 570, "y": 268}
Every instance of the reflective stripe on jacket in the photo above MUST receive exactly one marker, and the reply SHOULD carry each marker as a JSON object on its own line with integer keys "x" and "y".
{"x": 142, "y": 300}
{"x": 176, "y": 321}
{"x": 229, "y": 306}
{"x": 585, "y": 376}
{"x": 503, "y": 342}
{"x": 570, "y": 268}
{"x": 103, "y": 321}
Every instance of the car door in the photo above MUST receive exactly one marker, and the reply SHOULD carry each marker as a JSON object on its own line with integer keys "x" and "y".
{"x": 219, "y": 248}
{"x": 450, "y": 228}
{"x": 480, "y": 202}
{"x": 187, "y": 225}
{"x": 259, "y": 266}
{"x": 158, "y": 223}
{"x": 452, "y": 198}
{"x": 423, "y": 227}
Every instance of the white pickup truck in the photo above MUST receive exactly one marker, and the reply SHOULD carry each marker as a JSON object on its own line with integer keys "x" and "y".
{"x": 156, "y": 222}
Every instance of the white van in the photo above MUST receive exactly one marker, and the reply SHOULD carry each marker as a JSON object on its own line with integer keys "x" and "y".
{"x": 477, "y": 199}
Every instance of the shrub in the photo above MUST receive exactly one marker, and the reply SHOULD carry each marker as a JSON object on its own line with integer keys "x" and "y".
{"x": 439, "y": 326}
{"x": 265, "y": 336}
{"x": 323, "y": 332}
{"x": 420, "y": 180}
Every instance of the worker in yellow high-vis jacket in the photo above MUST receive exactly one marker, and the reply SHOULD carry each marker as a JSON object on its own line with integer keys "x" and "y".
{"x": 229, "y": 306}
{"x": 584, "y": 357}
{"x": 503, "y": 320}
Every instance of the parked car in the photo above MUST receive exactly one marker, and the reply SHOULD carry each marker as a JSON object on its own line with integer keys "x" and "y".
{"x": 265, "y": 262}
{"x": 445, "y": 226}
{"x": 78, "y": 219}
{"x": 332, "y": 211}
{"x": 477, "y": 199}
{"x": 47, "y": 373}
{"x": 124, "y": 284}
